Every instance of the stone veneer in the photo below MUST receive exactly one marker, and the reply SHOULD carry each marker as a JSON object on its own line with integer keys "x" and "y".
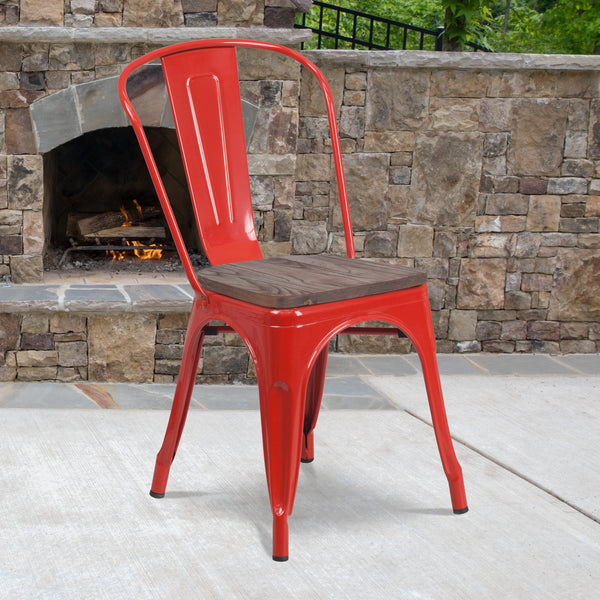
{"x": 151, "y": 13}
{"x": 482, "y": 169}
{"x": 108, "y": 332}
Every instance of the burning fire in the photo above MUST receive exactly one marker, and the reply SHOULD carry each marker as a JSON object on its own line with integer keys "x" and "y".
{"x": 128, "y": 222}
{"x": 149, "y": 252}
{"x": 154, "y": 252}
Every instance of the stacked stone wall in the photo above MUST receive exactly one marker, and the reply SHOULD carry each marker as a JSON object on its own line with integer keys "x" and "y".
{"x": 487, "y": 178}
{"x": 144, "y": 13}
{"x": 271, "y": 82}
{"x": 135, "y": 347}
{"x": 153, "y": 13}
{"x": 482, "y": 170}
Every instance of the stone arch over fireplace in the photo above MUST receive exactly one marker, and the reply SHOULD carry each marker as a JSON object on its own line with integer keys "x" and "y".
{"x": 85, "y": 107}
{"x": 91, "y": 158}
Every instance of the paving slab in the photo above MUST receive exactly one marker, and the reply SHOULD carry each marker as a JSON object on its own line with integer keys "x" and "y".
{"x": 582, "y": 363}
{"x": 43, "y": 395}
{"x": 543, "y": 427}
{"x": 450, "y": 364}
{"x": 372, "y": 517}
{"x": 388, "y": 364}
{"x": 22, "y": 298}
{"x": 228, "y": 397}
{"x": 142, "y": 395}
{"x": 345, "y": 364}
{"x": 348, "y": 386}
{"x": 520, "y": 364}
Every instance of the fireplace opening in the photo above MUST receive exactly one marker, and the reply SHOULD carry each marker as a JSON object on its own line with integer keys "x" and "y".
{"x": 100, "y": 208}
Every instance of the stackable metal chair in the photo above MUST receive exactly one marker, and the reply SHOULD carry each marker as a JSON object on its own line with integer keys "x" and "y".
{"x": 285, "y": 309}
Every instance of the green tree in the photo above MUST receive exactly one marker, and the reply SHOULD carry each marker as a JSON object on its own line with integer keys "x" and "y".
{"x": 466, "y": 21}
{"x": 521, "y": 33}
{"x": 567, "y": 27}
{"x": 572, "y": 27}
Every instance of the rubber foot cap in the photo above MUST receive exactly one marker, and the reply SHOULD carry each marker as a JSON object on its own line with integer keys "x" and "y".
{"x": 280, "y": 558}
{"x": 306, "y": 460}
{"x": 156, "y": 494}
{"x": 461, "y": 511}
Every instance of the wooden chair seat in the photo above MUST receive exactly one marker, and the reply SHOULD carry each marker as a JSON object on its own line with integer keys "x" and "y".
{"x": 293, "y": 281}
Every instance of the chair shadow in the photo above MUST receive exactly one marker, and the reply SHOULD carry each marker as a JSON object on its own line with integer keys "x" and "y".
{"x": 336, "y": 502}
{"x": 186, "y": 494}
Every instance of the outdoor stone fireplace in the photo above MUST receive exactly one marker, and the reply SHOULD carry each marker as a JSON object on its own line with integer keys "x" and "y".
{"x": 69, "y": 155}
{"x": 68, "y": 148}
{"x": 482, "y": 169}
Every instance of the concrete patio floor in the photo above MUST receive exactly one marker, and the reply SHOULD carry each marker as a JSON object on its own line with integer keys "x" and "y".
{"x": 372, "y": 517}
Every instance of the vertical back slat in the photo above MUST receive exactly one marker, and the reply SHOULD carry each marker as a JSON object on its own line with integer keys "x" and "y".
{"x": 205, "y": 98}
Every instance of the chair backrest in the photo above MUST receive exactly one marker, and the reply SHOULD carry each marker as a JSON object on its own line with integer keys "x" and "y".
{"x": 205, "y": 99}
{"x": 202, "y": 83}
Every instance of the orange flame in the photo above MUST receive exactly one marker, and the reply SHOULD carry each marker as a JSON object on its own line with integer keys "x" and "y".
{"x": 139, "y": 208}
{"x": 127, "y": 222}
{"x": 152, "y": 253}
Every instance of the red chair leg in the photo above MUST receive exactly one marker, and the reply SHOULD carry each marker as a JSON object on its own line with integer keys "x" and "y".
{"x": 280, "y": 538}
{"x": 314, "y": 393}
{"x": 424, "y": 341}
{"x": 442, "y": 432}
{"x": 282, "y": 412}
{"x": 181, "y": 402}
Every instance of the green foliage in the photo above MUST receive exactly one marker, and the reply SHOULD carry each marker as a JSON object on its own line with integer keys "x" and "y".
{"x": 573, "y": 27}
{"x": 467, "y": 21}
{"x": 567, "y": 27}
{"x": 458, "y": 16}
{"x": 541, "y": 5}
{"x": 541, "y": 26}
{"x": 520, "y": 35}
{"x": 419, "y": 13}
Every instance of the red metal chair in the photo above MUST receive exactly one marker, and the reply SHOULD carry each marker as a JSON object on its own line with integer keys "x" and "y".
{"x": 285, "y": 309}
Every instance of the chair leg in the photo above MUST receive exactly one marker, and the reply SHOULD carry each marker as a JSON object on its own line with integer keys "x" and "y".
{"x": 425, "y": 344}
{"x": 314, "y": 393}
{"x": 282, "y": 397}
{"x": 450, "y": 463}
{"x": 181, "y": 402}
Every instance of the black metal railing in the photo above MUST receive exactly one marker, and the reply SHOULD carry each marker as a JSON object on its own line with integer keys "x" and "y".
{"x": 337, "y": 27}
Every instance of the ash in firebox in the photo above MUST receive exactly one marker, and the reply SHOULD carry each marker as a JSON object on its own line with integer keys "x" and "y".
{"x": 100, "y": 261}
